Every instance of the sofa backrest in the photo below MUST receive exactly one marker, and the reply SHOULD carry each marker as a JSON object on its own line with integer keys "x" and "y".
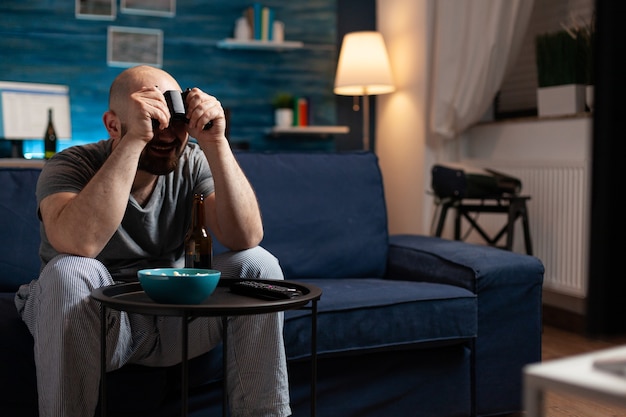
{"x": 19, "y": 230}
{"x": 324, "y": 213}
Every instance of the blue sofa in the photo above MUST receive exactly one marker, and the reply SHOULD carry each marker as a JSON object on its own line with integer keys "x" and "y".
{"x": 408, "y": 325}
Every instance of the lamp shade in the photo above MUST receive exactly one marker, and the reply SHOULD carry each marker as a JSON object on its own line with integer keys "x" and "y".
{"x": 363, "y": 67}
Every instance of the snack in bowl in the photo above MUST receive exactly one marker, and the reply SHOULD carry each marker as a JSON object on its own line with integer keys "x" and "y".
{"x": 178, "y": 285}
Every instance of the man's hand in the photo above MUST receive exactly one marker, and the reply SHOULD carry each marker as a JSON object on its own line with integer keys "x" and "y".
{"x": 145, "y": 108}
{"x": 203, "y": 108}
{"x": 232, "y": 210}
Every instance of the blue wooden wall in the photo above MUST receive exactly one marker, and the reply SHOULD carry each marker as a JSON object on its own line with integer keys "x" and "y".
{"x": 43, "y": 41}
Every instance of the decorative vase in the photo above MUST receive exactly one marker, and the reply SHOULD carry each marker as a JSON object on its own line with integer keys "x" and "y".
{"x": 278, "y": 31}
{"x": 561, "y": 100}
{"x": 242, "y": 30}
{"x": 283, "y": 117}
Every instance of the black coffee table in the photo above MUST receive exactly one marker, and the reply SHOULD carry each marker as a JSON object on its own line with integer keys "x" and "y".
{"x": 131, "y": 298}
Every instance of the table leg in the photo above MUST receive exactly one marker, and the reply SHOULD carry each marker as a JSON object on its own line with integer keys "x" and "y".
{"x": 526, "y": 225}
{"x": 313, "y": 357}
{"x": 103, "y": 361}
{"x": 511, "y": 219}
{"x": 457, "y": 223}
{"x": 224, "y": 366}
{"x": 442, "y": 218}
{"x": 184, "y": 383}
{"x": 533, "y": 402}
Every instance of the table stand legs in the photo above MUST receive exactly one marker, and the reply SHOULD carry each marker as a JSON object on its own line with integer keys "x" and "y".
{"x": 103, "y": 362}
{"x": 514, "y": 207}
{"x": 185, "y": 363}
{"x": 184, "y": 383}
{"x": 313, "y": 357}
{"x": 224, "y": 366}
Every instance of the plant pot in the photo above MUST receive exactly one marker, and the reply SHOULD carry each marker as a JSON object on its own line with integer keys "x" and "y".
{"x": 561, "y": 100}
{"x": 283, "y": 117}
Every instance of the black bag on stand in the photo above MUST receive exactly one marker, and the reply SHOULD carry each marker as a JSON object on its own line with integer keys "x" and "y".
{"x": 449, "y": 182}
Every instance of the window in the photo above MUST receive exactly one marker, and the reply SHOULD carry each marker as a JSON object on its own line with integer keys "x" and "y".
{"x": 518, "y": 93}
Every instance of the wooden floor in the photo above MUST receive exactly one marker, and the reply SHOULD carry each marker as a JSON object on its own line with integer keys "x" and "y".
{"x": 559, "y": 343}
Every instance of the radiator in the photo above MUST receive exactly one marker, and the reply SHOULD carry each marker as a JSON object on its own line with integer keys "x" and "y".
{"x": 558, "y": 216}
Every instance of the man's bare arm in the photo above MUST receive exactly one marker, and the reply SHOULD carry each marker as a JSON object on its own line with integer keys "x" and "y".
{"x": 82, "y": 224}
{"x": 234, "y": 215}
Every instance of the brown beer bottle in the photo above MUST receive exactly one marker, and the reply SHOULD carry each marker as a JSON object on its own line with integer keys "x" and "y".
{"x": 198, "y": 243}
{"x": 50, "y": 138}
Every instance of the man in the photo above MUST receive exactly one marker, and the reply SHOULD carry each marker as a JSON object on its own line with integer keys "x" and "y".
{"x": 113, "y": 207}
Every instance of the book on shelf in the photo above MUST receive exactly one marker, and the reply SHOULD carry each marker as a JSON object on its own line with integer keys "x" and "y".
{"x": 301, "y": 111}
{"x": 261, "y": 21}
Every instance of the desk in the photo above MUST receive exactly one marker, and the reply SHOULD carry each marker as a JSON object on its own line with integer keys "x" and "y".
{"x": 574, "y": 375}
{"x": 131, "y": 298}
{"x": 513, "y": 206}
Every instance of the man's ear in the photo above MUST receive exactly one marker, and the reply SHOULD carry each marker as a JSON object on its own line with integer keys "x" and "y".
{"x": 112, "y": 124}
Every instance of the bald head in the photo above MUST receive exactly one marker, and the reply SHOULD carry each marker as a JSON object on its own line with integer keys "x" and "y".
{"x": 133, "y": 79}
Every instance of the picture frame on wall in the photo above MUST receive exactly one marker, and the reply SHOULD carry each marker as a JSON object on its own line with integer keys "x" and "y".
{"x": 129, "y": 46}
{"x": 96, "y": 9}
{"x": 163, "y": 8}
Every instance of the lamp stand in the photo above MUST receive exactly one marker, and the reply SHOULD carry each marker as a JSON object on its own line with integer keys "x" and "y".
{"x": 366, "y": 121}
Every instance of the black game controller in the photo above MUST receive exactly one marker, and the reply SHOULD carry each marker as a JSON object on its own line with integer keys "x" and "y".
{"x": 176, "y": 103}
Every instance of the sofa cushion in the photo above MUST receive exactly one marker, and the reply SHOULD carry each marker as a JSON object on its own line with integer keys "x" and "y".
{"x": 370, "y": 314}
{"x": 19, "y": 240}
{"x": 329, "y": 219}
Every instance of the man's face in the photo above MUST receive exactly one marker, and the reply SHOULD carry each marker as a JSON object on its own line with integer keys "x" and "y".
{"x": 162, "y": 154}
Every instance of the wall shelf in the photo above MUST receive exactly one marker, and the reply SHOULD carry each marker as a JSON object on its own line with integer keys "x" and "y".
{"x": 231, "y": 43}
{"x": 320, "y": 132}
{"x": 308, "y": 130}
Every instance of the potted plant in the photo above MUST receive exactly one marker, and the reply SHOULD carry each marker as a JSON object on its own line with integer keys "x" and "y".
{"x": 561, "y": 72}
{"x": 587, "y": 36}
{"x": 283, "y": 109}
{"x": 565, "y": 67}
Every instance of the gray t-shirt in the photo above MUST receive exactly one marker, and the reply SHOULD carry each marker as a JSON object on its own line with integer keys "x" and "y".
{"x": 149, "y": 236}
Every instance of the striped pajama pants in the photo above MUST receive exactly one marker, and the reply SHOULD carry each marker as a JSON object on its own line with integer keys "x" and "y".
{"x": 65, "y": 324}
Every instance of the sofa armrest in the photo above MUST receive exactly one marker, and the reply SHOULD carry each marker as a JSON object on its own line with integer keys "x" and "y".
{"x": 509, "y": 292}
{"x": 467, "y": 265}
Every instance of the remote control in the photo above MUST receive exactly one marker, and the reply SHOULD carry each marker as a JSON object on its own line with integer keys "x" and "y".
{"x": 263, "y": 290}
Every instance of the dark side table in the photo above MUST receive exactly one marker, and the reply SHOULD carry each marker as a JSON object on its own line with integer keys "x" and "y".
{"x": 131, "y": 298}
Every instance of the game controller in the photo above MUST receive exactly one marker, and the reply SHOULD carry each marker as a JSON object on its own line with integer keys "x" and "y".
{"x": 177, "y": 104}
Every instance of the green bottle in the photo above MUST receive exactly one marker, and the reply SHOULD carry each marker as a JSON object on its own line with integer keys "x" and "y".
{"x": 50, "y": 138}
{"x": 198, "y": 242}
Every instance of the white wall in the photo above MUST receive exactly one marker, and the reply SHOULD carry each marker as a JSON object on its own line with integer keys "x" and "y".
{"x": 401, "y": 144}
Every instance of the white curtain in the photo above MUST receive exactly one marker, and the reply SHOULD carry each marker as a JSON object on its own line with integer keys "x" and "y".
{"x": 474, "y": 43}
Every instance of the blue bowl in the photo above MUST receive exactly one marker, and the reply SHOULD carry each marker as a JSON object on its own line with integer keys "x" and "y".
{"x": 178, "y": 285}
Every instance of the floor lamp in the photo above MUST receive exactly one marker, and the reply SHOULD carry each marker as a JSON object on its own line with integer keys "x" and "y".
{"x": 363, "y": 70}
